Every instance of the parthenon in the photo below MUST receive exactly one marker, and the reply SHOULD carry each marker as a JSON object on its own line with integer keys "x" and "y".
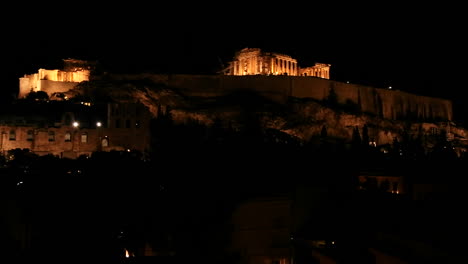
{"x": 254, "y": 61}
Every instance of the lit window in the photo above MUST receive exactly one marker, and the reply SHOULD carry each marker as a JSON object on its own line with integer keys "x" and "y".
{"x": 12, "y": 136}
{"x": 67, "y": 137}
{"x": 29, "y": 136}
{"x": 84, "y": 138}
{"x": 105, "y": 142}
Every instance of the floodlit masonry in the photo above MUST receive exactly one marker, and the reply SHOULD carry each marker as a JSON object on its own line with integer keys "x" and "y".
{"x": 254, "y": 61}
{"x": 71, "y": 131}
{"x": 56, "y": 81}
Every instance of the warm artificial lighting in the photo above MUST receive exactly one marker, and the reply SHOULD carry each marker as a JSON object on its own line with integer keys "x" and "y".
{"x": 98, "y": 124}
{"x": 76, "y": 124}
{"x": 128, "y": 254}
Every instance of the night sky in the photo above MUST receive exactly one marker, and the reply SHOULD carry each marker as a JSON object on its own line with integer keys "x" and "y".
{"x": 415, "y": 49}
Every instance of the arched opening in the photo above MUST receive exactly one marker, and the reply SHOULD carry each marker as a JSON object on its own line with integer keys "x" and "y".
{"x": 105, "y": 142}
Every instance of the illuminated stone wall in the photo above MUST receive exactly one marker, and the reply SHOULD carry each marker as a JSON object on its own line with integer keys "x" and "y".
{"x": 38, "y": 143}
{"x": 51, "y": 87}
{"x": 254, "y": 61}
{"x": 131, "y": 133}
{"x": 37, "y": 140}
{"x": 51, "y": 81}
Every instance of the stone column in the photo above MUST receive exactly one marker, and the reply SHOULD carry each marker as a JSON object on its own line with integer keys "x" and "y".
{"x": 273, "y": 68}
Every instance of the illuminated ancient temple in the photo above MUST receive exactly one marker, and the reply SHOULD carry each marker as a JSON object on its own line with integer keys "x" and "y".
{"x": 56, "y": 81}
{"x": 254, "y": 61}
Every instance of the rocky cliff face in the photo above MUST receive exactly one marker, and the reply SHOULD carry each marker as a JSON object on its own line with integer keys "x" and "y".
{"x": 303, "y": 119}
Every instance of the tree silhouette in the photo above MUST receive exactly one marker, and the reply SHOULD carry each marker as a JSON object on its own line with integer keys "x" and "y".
{"x": 356, "y": 141}
{"x": 365, "y": 136}
{"x": 332, "y": 98}
{"x": 323, "y": 132}
{"x": 37, "y": 96}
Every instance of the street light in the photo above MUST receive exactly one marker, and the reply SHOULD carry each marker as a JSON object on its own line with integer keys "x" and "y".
{"x": 99, "y": 143}
{"x": 76, "y": 126}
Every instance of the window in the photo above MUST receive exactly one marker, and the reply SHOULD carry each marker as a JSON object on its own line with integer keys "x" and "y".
{"x": 117, "y": 123}
{"x": 67, "y": 137}
{"x": 29, "y": 136}
{"x": 12, "y": 136}
{"x": 105, "y": 142}
{"x": 127, "y": 123}
{"x": 434, "y": 131}
{"x": 51, "y": 136}
{"x": 84, "y": 138}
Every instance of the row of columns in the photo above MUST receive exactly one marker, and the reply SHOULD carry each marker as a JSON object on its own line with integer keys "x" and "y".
{"x": 317, "y": 72}
{"x": 260, "y": 65}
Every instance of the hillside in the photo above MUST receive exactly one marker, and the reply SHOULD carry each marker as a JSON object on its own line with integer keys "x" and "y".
{"x": 304, "y": 120}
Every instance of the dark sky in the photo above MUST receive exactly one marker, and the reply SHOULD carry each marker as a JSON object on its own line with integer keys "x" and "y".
{"x": 417, "y": 49}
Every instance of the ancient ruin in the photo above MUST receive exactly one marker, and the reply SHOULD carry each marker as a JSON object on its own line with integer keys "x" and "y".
{"x": 254, "y": 61}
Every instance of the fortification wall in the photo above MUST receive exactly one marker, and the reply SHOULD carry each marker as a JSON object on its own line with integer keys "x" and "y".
{"x": 389, "y": 104}
{"x": 51, "y": 81}
{"x": 51, "y": 87}
{"x": 25, "y": 86}
{"x": 385, "y": 103}
{"x": 275, "y": 88}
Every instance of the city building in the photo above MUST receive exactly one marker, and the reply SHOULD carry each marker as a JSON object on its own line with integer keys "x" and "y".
{"x": 71, "y": 130}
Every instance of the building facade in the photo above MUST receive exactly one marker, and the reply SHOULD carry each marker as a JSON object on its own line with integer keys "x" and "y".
{"x": 77, "y": 132}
